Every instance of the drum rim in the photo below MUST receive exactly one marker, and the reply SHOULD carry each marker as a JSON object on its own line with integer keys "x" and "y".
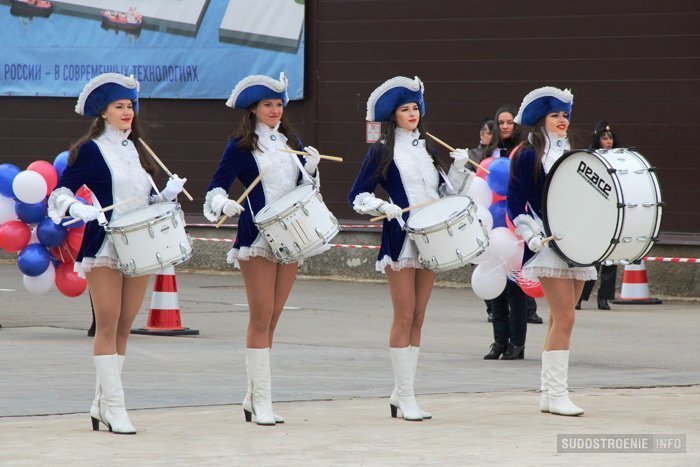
{"x": 290, "y": 209}
{"x": 545, "y": 218}
{"x": 134, "y": 226}
{"x": 437, "y": 227}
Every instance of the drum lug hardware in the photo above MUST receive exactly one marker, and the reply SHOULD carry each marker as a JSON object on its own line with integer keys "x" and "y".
{"x": 284, "y": 224}
{"x": 608, "y": 262}
{"x": 125, "y": 239}
{"x": 640, "y": 171}
{"x": 320, "y": 235}
{"x": 632, "y": 205}
{"x": 174, "y": 220}
{"x": 626, "y": 239}
{"x": 642, "y": 238}
{"x": 426, "y": 239}
{"x": 449, "y": 230}
{"x": 150, "y": 230}
{"x": 648, "y": 205}
{"x": 614, "y": 241}
{"x": 661, "y": 203}
{"x": 459, "y": 254}
{"x": 183, "y": 250}
{"x": 620, "y": 205}
{"x": 160, "y": 259}
{"x": 651, "y": 169}
{"x": 296, "y": 245}
{"x": 470, "y": 217}
{"x": 132, "y": 265}
{"x": 623, "y": 171}
{"x": 304, "y": 210}
{"x": 434, "y": 262}
{"x": 612, "y": 171}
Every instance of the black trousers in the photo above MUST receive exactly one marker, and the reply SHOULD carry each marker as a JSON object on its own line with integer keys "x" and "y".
{"x": 510, "y": 315}
{"x": 531, "y": 305}
{"x": 608, "y": 275}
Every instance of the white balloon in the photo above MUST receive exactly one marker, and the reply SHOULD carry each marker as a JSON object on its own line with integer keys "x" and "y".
{"x": 489, "y": 280}
{"x": 516, "y": 261}
{"x": 480, "y": 192}
{"x": 33, "y": 238}
{"x": 42, "y": 283}
{"x": 485, "y": 256}
{"x": 485, "y": 215}
{"x": 29, "y": 187}
{"x": 504, "y": 243}
{"x": 7, "y": 209}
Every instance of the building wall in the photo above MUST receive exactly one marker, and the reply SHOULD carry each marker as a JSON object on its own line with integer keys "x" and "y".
{"x": 635, "y": 64}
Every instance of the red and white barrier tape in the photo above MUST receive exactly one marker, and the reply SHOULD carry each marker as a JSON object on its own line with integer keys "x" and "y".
{"x": 672, "y": 260}
{"x": 344, "y": 226}
{"x": 376, "y": 247}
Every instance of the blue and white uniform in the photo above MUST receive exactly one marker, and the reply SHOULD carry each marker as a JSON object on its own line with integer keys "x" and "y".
{"x": 412, "y": 179}
{"x": 109, "y": 166}
{"x": 282, "y": 176}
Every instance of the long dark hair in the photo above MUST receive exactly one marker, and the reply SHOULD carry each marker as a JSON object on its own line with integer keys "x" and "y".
{"x": 536, "y": 140}
{"x": 601, "y": 129}
{"x": 249, "y": 139}
{"x": 98, "y": 127}
{"x": 497, "y": 141}
{"x": 385, "y": 151}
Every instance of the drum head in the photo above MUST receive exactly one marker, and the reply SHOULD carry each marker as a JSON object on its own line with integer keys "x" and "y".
{"x": 438, "y": 212}
{"x": 580, "y": 205}
{"x": 141, "y": 215}
{"x": 284, "y": 202}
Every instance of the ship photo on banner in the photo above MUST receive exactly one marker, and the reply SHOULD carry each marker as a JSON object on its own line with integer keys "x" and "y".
{"x": 192, "y": 50}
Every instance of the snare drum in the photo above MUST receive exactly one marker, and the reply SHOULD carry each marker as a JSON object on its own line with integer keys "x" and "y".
{"x": 447, "y": 233}
{"x": 149, "y": 239}
{"x": 604, "y": 204}
{"x": 297, "y": 224}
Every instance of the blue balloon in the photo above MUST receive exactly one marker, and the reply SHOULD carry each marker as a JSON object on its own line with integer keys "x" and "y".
{"x": 30, "y": 213}
{"x": 498, "y": 178}
{"x": 8, "y": 172}
{"x": 60, "y": 163}
{"x": 33, "y": 260}
{"x": 498, "y": 211}
{"x": 50, "y": 234}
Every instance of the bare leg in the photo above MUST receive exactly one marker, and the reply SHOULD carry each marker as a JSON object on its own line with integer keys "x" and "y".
{"x": 562, "y": 295}
{"x": 402, "y": 286}
{"x": 133, "y": 291}
{"x": 286, "y": 274}
{"x": 423, "y": 288}
{"x": 106, "y": 290}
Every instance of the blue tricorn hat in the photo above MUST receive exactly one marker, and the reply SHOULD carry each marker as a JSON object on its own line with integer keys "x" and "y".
{"x": 255, "y": 88}
{"x": 104, "y": 89}
{"x": 542, "y": 101}
{"x": 391, "y": 95}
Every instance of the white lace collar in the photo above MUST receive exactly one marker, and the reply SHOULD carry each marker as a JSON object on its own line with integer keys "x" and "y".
{"x": 115, "y": 136}
{"x": 554, "y": 147}
{"x": 404, "y": 137}
{"x": 267, "y": 134}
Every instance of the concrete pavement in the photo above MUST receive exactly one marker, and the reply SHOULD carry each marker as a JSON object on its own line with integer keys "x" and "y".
{"x": 634, "y": 370}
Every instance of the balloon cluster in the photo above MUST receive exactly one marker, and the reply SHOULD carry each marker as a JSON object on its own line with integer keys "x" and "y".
{"x": 504, "y": 256}
{"x": 46, "y": 250}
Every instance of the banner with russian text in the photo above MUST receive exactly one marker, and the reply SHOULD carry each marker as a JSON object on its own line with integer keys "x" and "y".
{"x": 195, "y": 49}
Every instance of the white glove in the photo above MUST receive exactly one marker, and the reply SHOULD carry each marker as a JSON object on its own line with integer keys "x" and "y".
{"x": 173, "y": 187}
{"x": 460, "y": 156}
{"x": 84, "y": 212}
{"x": 221, "y": 204}
{"x": 391, "y": 211}
{"x": 535, "y": 243}
{"x": 312, "y": 159}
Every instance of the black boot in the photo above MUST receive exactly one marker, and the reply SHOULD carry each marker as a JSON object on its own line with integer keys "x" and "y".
{"x": 514, "y": 352}
{"x": 603, "y": 304}
{"x": 534, "y": 318}
{"x": 495, "y": 352}
{"x": 489, "y": 318}
{"x": 578, "y": 305}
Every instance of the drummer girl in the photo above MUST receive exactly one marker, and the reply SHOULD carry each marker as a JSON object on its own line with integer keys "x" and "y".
{"x": 115, "y": 169}
{"x": 548, "y": 110}
{"x": 254, "y": 148}
{"x": 408, "y": 171}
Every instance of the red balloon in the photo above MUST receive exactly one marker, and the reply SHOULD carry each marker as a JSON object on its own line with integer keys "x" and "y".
{"x": 532, "y": 289}
{"x": 68, "y": 282}
{"x": 62, "y": 253}
{"x": 510, "y": 225}
{"x": 485, "y": 164}
{"x": 85, "y": 193}
{"x": 47, "y": 171}
{"x": 14, "y": 235}
{"x": 496, "y": 197}
{"x": 74, "y": 239}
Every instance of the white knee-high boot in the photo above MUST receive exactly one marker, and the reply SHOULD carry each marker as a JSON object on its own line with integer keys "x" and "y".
{"x": 394, "y": 399}
{"x": 401, "y": 361}
{"x": 557, "y": 365}
{"x": 95, "y": 409}
{"x": 544, "y": 386}
{"x": 112, "y": 408}
{"x": 247, "y": 405}
{"x": 258, "y": 368}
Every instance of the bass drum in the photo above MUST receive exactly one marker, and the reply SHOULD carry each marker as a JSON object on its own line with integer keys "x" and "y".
{"x": 602, "y": 206}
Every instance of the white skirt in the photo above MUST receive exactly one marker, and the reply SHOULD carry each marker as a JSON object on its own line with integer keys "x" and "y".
{"x": 546, "y": 263}
{"x": 260, "y": 247}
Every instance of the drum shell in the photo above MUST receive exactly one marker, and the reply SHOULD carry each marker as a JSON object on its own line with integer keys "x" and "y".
{"x": 149, "y": 239}
{"x": 296, "y": 224}
{"x": 620, "y": 229}
{"x": 451, "y": 242}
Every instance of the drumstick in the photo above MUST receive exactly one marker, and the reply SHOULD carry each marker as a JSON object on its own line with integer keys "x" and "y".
{"x": 549, "y": 239}
{"x": 243, "y": 196}
{"x": 108, "y": 208}
{"x": 162, "y": 166}
{"x": 410, "y": 208}
{"x": 453, "y": 150}
{"x": 302, "y": 153}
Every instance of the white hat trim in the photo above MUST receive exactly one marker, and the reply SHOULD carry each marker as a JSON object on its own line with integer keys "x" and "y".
{"x": 126, "y": 81}
{"x": 414, "y": 85}
{"x": 546, "y": 91}
{"x": 276, "y": 85}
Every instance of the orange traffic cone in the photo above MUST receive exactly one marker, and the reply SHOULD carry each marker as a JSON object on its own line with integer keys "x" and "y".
{"x": 635, "y": 287}
{"x": 164, "y": 317}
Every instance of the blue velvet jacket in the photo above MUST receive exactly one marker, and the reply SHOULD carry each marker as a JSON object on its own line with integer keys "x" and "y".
{"x": 523, "y": 190}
